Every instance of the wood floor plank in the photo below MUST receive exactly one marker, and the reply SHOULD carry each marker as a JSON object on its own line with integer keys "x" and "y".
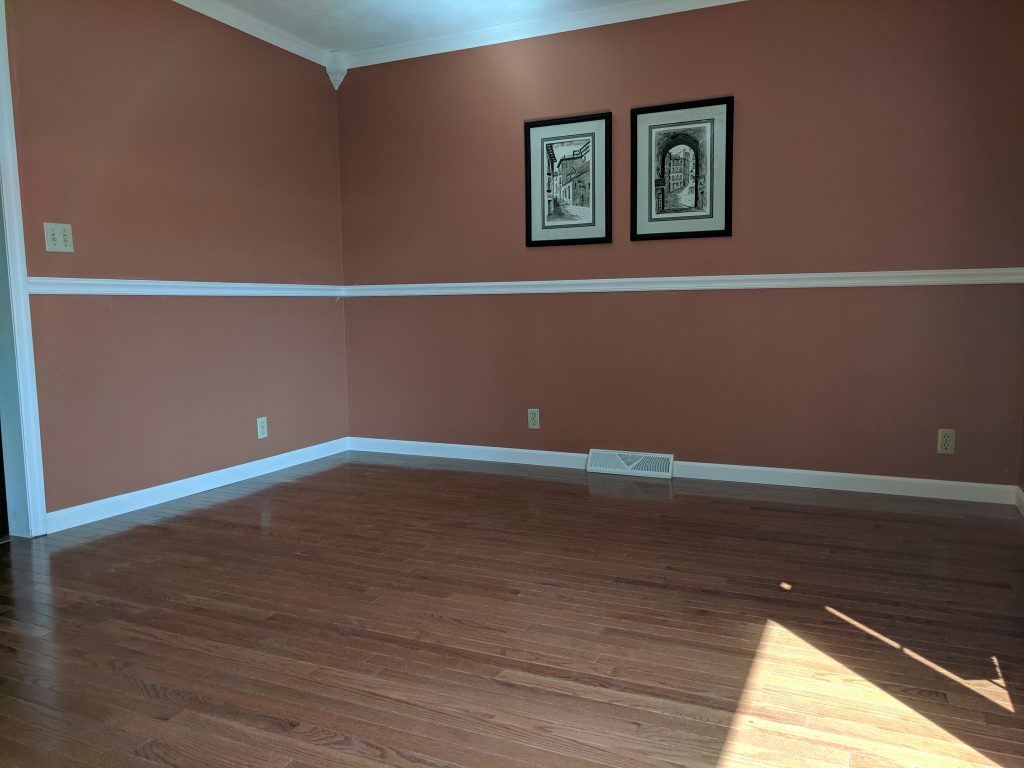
{"x": 418, "y": 613}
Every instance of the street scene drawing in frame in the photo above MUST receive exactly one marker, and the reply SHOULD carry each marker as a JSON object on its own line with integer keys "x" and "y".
{"x": 568, "y": 180}
{"x": 682, "y": 170}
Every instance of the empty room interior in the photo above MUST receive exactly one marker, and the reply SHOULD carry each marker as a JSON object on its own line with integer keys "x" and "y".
{"x": 512, "y": 384}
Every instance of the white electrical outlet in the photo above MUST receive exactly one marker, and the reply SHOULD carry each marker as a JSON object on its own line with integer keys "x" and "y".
{"x": 58, "y": 237}
{"x": 947, "y": 442}
{"x": 533, "y": 418}
{"x": 261, "y": 428}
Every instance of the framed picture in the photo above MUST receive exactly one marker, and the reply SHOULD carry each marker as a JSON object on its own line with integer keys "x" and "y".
{"x": 568, "y": 180}
{"x": 682, "y": 170}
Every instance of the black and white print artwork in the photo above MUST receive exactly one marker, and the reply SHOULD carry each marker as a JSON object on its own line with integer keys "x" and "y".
{"x": 682, "y": 170}
{"x": 680, "y": 182}
{"x": 568, "y": 180}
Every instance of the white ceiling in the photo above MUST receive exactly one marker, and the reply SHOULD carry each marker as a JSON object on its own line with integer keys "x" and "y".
{"x": 355, "y": 25}
{"x": 375, "y": 31}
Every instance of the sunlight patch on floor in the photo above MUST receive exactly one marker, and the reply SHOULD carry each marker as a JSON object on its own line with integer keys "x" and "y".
{"x": 993, "y": 689}
{"x": 830, "y": 718}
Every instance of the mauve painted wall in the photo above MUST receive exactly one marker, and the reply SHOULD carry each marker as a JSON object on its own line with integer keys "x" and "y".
{"x": 869, "y": 135}
{"x": 177, "y": 147}
{"x": 135, "y": 391}
{"x": 181, "y": 149}
{"x": 853, "y": 380}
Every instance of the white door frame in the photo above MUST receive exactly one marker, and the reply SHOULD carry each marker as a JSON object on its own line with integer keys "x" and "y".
{"x": 19, "y": 407}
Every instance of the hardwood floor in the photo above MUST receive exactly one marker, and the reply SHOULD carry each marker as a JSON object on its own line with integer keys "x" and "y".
{"x": 380, "y": 612}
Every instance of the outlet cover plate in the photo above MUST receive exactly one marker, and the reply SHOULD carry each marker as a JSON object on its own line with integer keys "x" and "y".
{"x": 261, "y": 428}
{"x": 533, "y": 418}
{"x": 58, "y": 237}
{"x": 947, "y": 442}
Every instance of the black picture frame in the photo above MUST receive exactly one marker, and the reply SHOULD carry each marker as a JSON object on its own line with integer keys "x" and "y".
{"x": 710, "y": 187}
{"x": 551, "y": 219}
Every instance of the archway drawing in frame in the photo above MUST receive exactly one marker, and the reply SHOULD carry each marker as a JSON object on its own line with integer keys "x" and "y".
{"x": 682, "y": 170}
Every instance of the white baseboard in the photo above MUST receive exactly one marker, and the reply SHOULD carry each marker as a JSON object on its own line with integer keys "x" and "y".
{"x": 838, "y": 481}
{"x": 732, "y": 473}
{"x": 102, "y": 509}
{"x": 844, "y": 481}
{"x": 471, "y": 452}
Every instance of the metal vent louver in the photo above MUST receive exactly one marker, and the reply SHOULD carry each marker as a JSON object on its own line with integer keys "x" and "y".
{"x": 630, "y": 463}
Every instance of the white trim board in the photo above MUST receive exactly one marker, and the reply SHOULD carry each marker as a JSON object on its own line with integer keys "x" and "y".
{"x": 732, "y": 473}
{"x": 496, "y": 454}
{"x": 103, "y": 509}
{"x": 1019, "y": 500}
{"x": 903, "y": 278}
{"x": 902, "y": 486}
{"x": 78, "y": 286}
{"x": 18, "y": 398}
{"x": 924, "y": 488}
{"x": 72, "y": 286}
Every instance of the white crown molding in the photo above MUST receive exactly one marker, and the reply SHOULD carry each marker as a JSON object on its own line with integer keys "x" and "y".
{"x": 160, "y": 494}
{"x": 337, "y": 68}
{"x": 268, "y": 33}
{"x": 18, "y": 399}
{"x": 903, "y": 486}
{"x": 506, "y": 33}
{"x": 906, "y": 278}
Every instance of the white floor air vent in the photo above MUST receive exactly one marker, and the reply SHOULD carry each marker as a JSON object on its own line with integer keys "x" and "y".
{"x": 628, "y": 463}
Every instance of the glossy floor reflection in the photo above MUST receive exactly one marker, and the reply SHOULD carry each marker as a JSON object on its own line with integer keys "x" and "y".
{"x": 376, "y": 611}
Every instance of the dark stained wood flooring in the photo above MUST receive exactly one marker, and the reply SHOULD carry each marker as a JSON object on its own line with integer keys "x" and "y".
{"x": 370, "y": 611}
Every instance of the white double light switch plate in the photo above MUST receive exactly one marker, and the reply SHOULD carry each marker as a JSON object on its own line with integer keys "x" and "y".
{"x": 58, "y": 237}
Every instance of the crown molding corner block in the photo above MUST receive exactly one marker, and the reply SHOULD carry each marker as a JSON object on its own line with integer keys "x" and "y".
{"x": 337, "y": 68}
